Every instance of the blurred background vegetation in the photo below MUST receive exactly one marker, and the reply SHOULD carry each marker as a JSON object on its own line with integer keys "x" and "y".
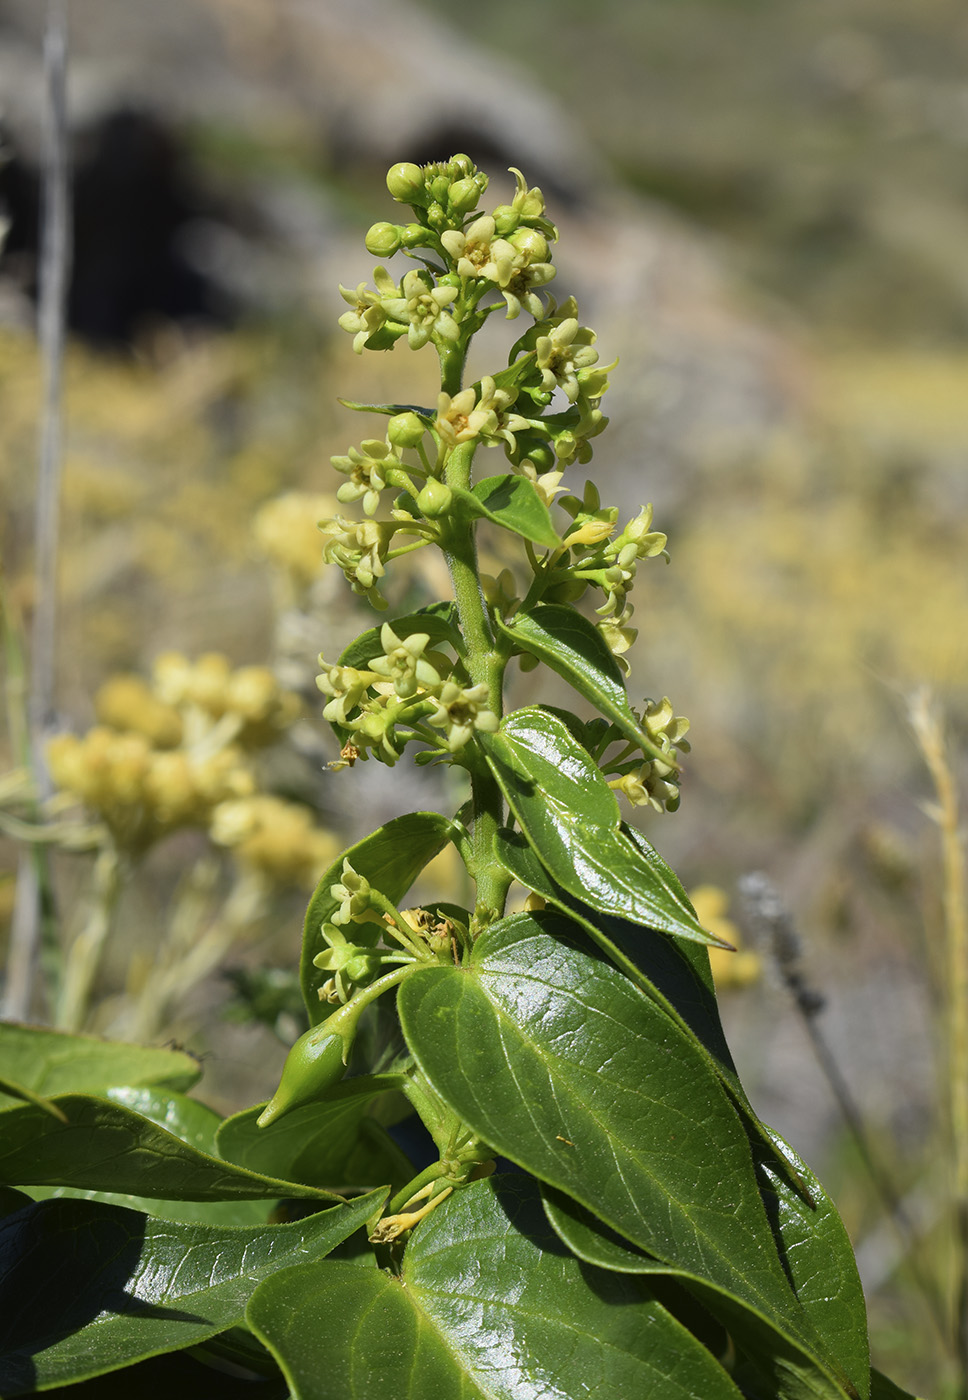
{"x": 764, "y": 212}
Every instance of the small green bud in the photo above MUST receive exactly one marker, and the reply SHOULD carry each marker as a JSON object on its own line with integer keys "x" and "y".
{"x": 506, "y": 219}
{"x": 531, "y": 243}
{"x": 405, "y": 181}
{"x": 463, "y": 196}
{"x": 315, "y": 1063}
{"x": 567, "y": 592}
{"x": 434, "y": 499}
{"x": 439, "y": 187}
{"x": 383, "y": 240}
{"x": 415, "y": 236}
{"x": 405, "y": 430}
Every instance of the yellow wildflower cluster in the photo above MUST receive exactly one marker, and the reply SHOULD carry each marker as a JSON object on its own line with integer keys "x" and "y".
{"x": 275, "y": 837}
{"x": 141, "y": 792}
{"x": 287, "y": 532}
{"x": 730, "y": 969}
{"x": 168, "y": 754}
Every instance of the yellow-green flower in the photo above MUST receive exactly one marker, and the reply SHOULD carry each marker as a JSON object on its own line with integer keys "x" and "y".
{"x": 403, "y": 662}
{"x": 461, "y": 711}
{"x": 368, "y": 313}
{"x": 424, "y": 307}
{"x": 477, "y": 252}
{"x": 367, "y": 470}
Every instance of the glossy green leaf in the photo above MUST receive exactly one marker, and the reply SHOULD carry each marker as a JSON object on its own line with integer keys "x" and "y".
{"x": 439, "y": 621}
{"x": 514, "y": 503}
{"x": 104, "y": 1146}
{"x": 882, "y": 1388}
{"x": 818, "y": 1254}
{"x": 391, "y": 858}
{"x": 490, "y": 1308}
{"x": 674, "y": 972}
{"x": 570, "y": 817}
{"x": 10, "y": 1089}
{"x": 790, "y": 1370}
{"x": 333, "y": 1144}
{"x": 195, "y": 1123}
{"x": 188, "y": 1212}
{"x": 558, "y": 1062}
{"x": 574, "y": 648}
{"x": 54, "y": 1062}
{"x": 118, "y": 1287}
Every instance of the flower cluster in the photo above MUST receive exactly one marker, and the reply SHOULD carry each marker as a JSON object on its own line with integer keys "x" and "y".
{"x": 406, "y": 692}
{"x": 656, "y": 782}
{"x": 176, "y": 753}
{"x": 544, "y": 409}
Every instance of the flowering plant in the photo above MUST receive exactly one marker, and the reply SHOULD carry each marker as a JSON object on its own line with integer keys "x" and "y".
{"x": 597, "y": 1207}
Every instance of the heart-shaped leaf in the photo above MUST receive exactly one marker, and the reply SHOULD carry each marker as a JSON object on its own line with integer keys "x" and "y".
{"x": 491, "y": 1308}
{"x": 117, "y": 1286}
{"x": 570, "y": 817}
{"x": 391, "y": 858}
{"x": 558, "y": 1062}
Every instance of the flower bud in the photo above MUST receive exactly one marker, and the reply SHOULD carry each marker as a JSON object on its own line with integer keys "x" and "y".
{"x": 506, "y": 219}
{"x": 383, "y": 240}
{"x": 405, "y": 181}
{"x": 414, "y": 236}
{"x": 405, "y": 430}
{"x": 529, "y": 242}
{"x": 434, "y": 499}
{"x": 463, "y": 196}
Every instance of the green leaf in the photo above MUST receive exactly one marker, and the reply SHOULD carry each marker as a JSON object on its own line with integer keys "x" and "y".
{"x": 390, "y": 410}
{"x": 674, "y": 972}
{"x": 574, "y": 648}
{"x": 105, "y": 1147}
{"x": 789, "y": 1369}
{"x": 490, "y": 1308}
{"x": 54, "y": 1062}
{"x": 570, "y": 817}
{"x": 118, "y": 1287}
{"x": 194, "y": 1123}
{"x": 189, "y": 1212}
{"x": 514, "y": 503}
{"x": 391, "y": 858}
{"x": 9, "y": 1089}
{"x": 332, "y": 1144}
{"x": 882, "y": 1388}
{"x": 561, "y": 1064}
{"x": 439, "y": 621}
{"x": 819, "y": 1257}
{"x": 11, "y": 1200}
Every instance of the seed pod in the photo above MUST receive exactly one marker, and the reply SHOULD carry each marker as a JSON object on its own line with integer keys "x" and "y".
{"x": 315, "y": 1063}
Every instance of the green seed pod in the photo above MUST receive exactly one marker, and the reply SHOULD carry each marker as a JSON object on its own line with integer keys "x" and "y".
{"x": 405, "y": 430}
{"x": 315, "y": 1063}
{"x": 383, "y": 240}
{"x": 405, "y": 181}
{"x": 434, "y": 499}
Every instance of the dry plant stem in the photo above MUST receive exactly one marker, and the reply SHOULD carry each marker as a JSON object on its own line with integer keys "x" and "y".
{"x": 929, "y": 733}
{"x": 184, "y": 964}
{"x": 85, "y": 953}
{"x": 54, "y": 274}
